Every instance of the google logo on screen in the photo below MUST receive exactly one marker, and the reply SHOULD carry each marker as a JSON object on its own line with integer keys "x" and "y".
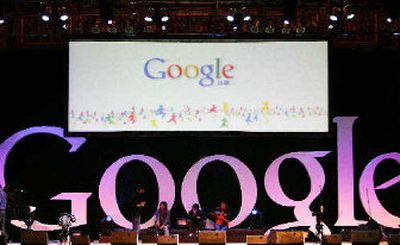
{"x": 158, "y": 68}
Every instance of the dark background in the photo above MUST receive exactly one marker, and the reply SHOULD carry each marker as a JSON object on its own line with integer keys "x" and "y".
{"x": 364, "y": 84}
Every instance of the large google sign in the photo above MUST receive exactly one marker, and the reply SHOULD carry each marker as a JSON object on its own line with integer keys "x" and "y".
{"x": 166, "y": 184}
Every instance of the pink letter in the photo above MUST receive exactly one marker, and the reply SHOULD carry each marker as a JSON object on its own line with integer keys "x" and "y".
{"x": 345, "y": 165}
{"x": 302, "y": 210}
{"x": 247, "y": 183}
{"x": 78, "y": 205}
{"x": 107, "y": 195}
{"x": 9, "y": 143}
{"x": 368, "y": 196}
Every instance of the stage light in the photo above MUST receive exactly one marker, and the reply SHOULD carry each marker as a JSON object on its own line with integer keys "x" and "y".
{"x": 106, "y": 225}
{"x": 333, "y": 17}
{"x": 396, "y": 34}
{"x": 164, "y": 18}
{"x": 45, "y": 17}
{"x": 32, "y": 209}
{"x": 254, "y": 211}
{"x": 63, "y": 13}
{"x": 330, "y": 27}
{"x": 230, "y": 18}
{"x": 148, "y": 19}
{"x": 163, "y": 28}
{"x": 109, "y": 22}
{"x": 65, "y": 26}
{"x": 351, "y": 16}
{"x": 247, "y": 18}
{"x": 2, "y": 20}
{"x": 235, "y": 28}
{"x": 64, "y": 17}
{"x": 286, "y": 22}
{"x": 109, "y": 218}
{"x": 389, "y": 20}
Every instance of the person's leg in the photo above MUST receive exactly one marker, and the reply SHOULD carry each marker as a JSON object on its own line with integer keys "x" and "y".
{"x": 190, "y": 226}
{"x": 166, "y": 230}
{"x": 223, "y": 228}
{"x": 136, "y": 224}
{"x": 3, "y": 221}
{"x": 217, "y": 227}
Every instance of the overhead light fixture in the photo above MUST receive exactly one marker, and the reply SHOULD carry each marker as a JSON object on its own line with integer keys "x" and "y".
{"x": 148, "y": 19}
{"x": 64, "y": 17}
{"x": 286, "y": 22}
{"x": 389, "y": 20}
{"x": 230, "y": 18}
{"x": 45, "y": 17}
{"x": 330, "y": 27}
{"x": 247, "y": 18}
{"x": 63, "y": 13}
{"x": 164, "y": 18}
{"x": 333, "y": 17}
{"x": 351, "y": 16}
{"x": 2, "y": 20}
{"x": 109, "y": 22}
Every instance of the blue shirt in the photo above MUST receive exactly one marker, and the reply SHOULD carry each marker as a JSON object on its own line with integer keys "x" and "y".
{"x": 3, "y": 200}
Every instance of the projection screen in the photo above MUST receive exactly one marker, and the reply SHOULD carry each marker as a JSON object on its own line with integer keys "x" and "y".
{"x": 250, "y": 86}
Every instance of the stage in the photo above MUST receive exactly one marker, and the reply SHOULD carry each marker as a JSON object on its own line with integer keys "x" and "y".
{"x": 97, "y": 243}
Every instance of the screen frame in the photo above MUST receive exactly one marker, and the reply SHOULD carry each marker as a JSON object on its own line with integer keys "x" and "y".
{"x": 199, "y": 133}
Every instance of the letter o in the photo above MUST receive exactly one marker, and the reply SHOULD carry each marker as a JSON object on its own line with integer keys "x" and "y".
{"x": 248, "y": 185}
{"x": 186, "y": 71}
{"x": 169, "y": 71}
{"x": 107, "y": 194}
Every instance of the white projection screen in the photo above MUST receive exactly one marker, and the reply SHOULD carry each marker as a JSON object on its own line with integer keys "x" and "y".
{"x": 249, "y": 86}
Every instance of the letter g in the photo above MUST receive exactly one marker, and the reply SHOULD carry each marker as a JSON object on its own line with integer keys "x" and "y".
{"x": 160, "y": 73}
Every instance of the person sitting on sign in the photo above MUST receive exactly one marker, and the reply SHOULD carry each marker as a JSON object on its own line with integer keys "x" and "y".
{"x": 195, "y": 219}
{"x": 221, "y": 217}
{"x": 162, "y": 219}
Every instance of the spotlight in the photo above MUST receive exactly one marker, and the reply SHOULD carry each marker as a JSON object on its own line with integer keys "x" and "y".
{"x": 333, "y": 17}
{"x": 65, "y": 26}
{"x": 163, "y": 28}
{"x": 2, "y": 20}
{"x": 106, "y": 225}
{"x": 351, "y": 16}
{"x": 235, "y": 28}
{"x": 148, "y": 19}
{"x": 164, "y": 18}
{"x": 45, "y": 18}
{"x": 64, "y": 17}
{"x": 389, "y": 20}
{"x": 32, "y": 209}
{"x": 109, "y": 22}
{"x": 108, "y": 218}
{"x": 286, "y": 22}
{"x": 230, "y": 18}
{"x": 246, "y": 18}
{"x": 254, "y": 211}
{"x": 330, "y": 27}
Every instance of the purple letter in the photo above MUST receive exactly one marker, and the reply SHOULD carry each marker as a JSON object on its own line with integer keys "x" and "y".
{"x": 345, "y": 165}
{"x": 9, "y": 143}
{"x": 368, "y": 196}
{"x": 302, "y": 210}
{"x": 247, "y": 183}
{"x": 107, "y": 195}
{"x": 78, "y": 205}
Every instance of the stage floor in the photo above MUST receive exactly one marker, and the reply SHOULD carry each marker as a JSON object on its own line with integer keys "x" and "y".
{"x": 97, "y": 243}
